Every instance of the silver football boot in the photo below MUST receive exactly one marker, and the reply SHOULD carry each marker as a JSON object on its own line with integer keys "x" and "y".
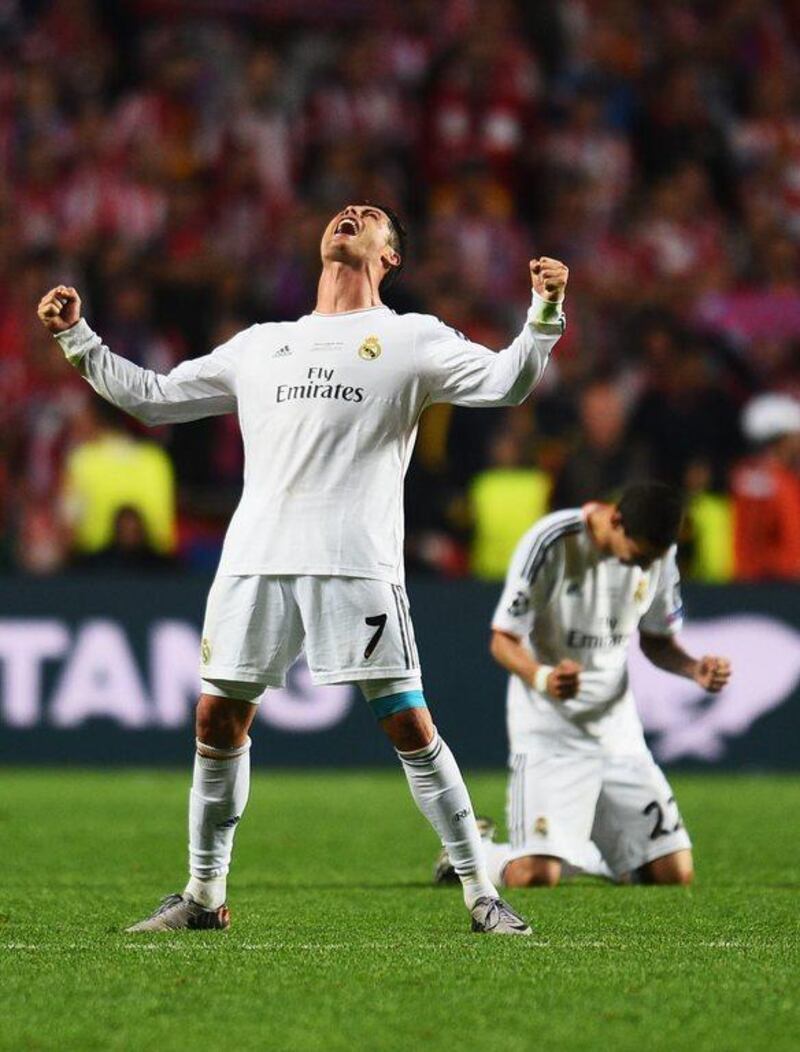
{"x": 181, "y": 911}
{"x": 495, "y": 917}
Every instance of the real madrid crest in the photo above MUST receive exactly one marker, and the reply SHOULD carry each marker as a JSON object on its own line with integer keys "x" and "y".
{"x": 370, "y": 349}
{"x": 540, "y": 826}
{"x": 205, "y": 651}
{"x": 641, "y": 591}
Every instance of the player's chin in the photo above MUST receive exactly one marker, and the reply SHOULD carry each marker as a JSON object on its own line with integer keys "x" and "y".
{"x": 341, "y": 249}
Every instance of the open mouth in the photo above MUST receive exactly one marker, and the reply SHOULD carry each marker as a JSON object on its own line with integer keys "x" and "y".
{"x": 347, "y": 226}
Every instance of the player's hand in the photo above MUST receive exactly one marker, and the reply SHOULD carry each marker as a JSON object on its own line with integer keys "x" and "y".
{"x": 563, "y": 682}
{"x": 549, "y": 278}
{"x": 712, "y": 673}
{"x": 60, "y": 309}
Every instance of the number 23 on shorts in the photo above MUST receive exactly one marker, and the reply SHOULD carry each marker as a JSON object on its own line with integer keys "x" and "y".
{"x": 655, "y": 810}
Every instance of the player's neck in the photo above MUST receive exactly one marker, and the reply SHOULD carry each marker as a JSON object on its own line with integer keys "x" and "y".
{"x": 598, "y": 522}
{"x": 345, "y": 288}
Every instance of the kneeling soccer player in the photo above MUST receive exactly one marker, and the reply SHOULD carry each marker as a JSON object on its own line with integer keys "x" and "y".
{"x": 585, "y": 793}
{"x": 328, "y": 408}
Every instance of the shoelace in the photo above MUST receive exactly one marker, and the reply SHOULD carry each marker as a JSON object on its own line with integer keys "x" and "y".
{"x": 168, "y": 901}
{"x": 494, "y": 914}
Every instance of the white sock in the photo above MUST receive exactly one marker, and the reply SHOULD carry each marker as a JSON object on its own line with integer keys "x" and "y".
{"x": 220, "y": 787}
{"x": 591, "y": 862}
{"x": 497, "y": 857}
{"x": 439, "y": 792}
{"x": 209, "y": 893}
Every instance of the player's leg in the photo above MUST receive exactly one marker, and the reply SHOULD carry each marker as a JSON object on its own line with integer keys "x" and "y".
{"x": 439, "y": 792}
{"x": 220, "y": 786}
{"x": 543, "y": 871}
{"x": 436, "y": 784}
{"x": 590, "y": 864}
{"x": 252, "y": 633}
{"x": 638, "y": 826}
{"x": 532, "y": 871}
{"x": 675, "y": 868}
{"x": 550, "y": 807}
{"x": 360, "y": 631}
{"x": 218, "y": 796}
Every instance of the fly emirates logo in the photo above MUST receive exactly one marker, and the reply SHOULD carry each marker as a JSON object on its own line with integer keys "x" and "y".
{"x": 319, "y": 383}
{"x": 578, "y": 640}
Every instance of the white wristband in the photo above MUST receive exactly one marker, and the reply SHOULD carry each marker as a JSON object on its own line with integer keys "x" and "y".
{"x": 545, "y": 315}
{"x": 540, "y": 678}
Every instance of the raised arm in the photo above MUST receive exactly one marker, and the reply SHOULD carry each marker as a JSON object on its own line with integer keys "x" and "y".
{"x": 459, "y": 371}
{"x": 194, "y": 389}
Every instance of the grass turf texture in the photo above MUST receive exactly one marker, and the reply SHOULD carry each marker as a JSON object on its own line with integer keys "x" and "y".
{"x": 339, "y": 942}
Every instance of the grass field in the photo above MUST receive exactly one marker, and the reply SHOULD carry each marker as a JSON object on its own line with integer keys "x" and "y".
{"x": 339, "y": 942}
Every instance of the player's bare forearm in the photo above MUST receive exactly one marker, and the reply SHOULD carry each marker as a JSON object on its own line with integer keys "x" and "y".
{"x": 710, "y": 672}
{"x": 560, "y": 683}
{"x": 664, "y": 652}
{"x": 511, "y": 655}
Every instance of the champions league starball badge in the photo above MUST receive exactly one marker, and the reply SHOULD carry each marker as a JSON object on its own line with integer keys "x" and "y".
{"x": 370, "y": 349}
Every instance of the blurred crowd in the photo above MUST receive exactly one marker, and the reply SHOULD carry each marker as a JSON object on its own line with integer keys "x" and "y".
{"x": 176, "y": 161}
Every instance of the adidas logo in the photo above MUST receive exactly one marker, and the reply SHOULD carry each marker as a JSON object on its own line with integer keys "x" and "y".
{"x": 573, "y": 588}
{"x": 283, "y": 352}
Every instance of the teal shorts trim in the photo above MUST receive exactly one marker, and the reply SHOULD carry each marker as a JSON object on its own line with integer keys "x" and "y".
{"x": 392, "y": 703}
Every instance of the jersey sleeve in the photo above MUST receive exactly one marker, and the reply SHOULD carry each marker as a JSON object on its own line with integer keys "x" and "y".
{"x": 664, "y": 616}
{"x": 194, "y": 389}
{"x": 456, "y": 370}
{"x": 532, "y": 576}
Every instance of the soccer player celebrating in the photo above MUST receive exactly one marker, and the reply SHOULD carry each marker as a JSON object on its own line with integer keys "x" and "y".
{"x": 328, "y": 408}
{"x": 581, "y": 582}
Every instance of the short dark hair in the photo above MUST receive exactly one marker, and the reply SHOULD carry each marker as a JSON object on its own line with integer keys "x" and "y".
{"x": 652, "y": 512}
{"x": 398, "y": 239}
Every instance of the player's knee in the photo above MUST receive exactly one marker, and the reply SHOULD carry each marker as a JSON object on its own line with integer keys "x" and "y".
{"x": 533, "y": 871}
{"x": 682, "y": 874}
{"x": 675, "y": 869}
{"x": 409, "y": 729}
{"x": 222, "y": 722}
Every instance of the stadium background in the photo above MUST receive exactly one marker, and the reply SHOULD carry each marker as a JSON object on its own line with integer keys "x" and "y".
{"x": 176, "y": 162}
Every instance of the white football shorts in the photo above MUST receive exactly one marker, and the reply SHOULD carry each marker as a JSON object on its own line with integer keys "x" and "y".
{"x": 559, "y": 801}
{"x": 352, "y": 629}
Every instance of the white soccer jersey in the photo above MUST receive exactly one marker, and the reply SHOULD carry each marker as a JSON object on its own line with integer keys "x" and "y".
{"x": 328, "y": 408}
{"x": 568, "y": 600}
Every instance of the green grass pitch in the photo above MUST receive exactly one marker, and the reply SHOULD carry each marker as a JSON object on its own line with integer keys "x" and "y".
{"x": 340, "y": 943}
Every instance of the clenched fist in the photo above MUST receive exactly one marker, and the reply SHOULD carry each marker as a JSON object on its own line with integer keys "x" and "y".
{"x": 563, "y": 682}
{"x": 59, "y": 309}
{"x": 712, "y": 673}
{"x": 549, "y": 278}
